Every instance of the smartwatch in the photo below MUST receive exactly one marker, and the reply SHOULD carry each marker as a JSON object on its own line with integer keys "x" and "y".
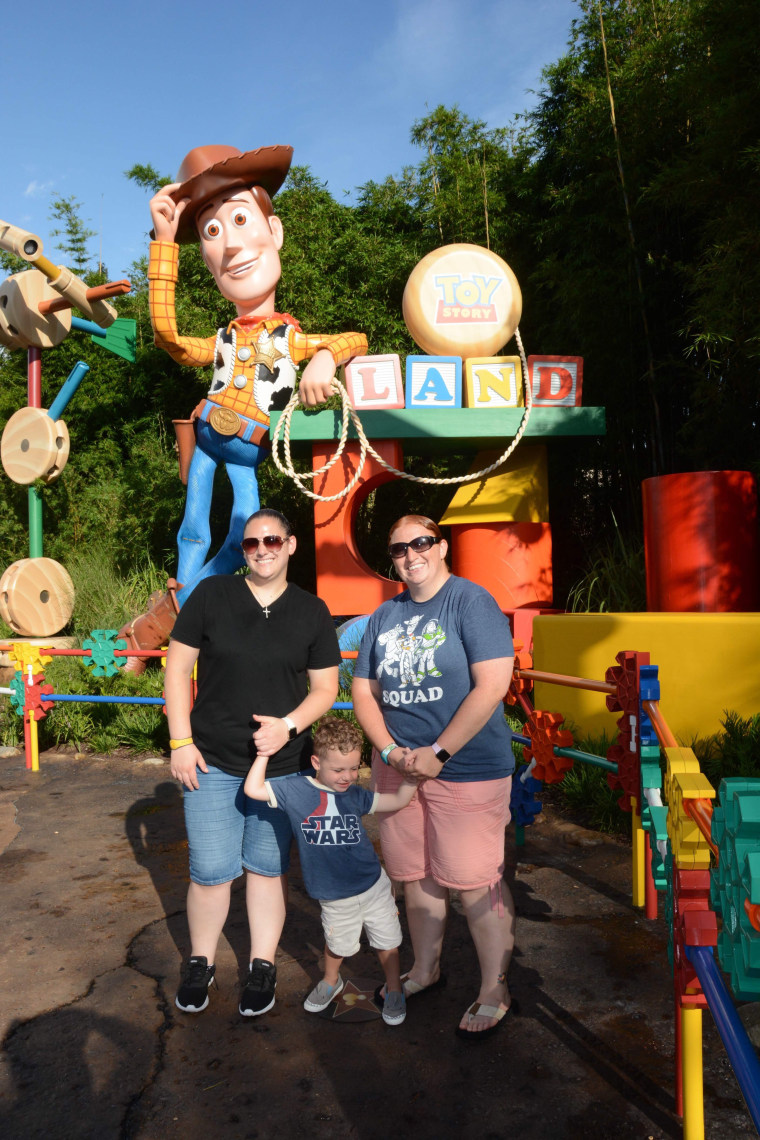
{"x": 440, "y": 753}
{"x": 290, "y": 725}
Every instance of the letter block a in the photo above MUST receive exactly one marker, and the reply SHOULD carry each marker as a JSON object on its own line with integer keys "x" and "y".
{"x": 493, "y": 382}
{"x": 433, "y": 382}
{"x": 374, "y": 382}
{"x": 556, "y": 381}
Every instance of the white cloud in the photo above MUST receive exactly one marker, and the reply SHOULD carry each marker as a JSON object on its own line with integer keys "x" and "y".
{"x": 38, "y": 189}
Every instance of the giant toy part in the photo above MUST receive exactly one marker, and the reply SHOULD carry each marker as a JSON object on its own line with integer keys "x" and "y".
{"x": 35, "y": 306}
{"x": 462, "y": 299}
{"x": 221, "y": 199}
{"x": 36, "y": 593}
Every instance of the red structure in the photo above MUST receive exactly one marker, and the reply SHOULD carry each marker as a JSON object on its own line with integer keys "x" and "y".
{"x": 701, "y": 542}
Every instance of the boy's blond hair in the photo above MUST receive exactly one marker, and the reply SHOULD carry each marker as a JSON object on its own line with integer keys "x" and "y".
{"x": 335, "y": 732}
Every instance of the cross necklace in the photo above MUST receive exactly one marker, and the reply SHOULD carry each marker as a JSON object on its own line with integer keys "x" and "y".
{"x": 265, "y": 605}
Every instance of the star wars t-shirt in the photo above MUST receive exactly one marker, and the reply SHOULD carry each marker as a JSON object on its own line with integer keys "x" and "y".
{"x": 420, "y": 653}
{"x": 337, "y": 856}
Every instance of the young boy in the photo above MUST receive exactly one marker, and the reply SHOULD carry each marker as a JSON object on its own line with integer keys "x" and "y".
{"x": 339, "y": 864}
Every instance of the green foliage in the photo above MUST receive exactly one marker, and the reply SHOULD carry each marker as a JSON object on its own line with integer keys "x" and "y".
{"x": 74, "y": 234}
{"x": 614, "y": 580}
{"x": 147, "y": 177}
{"x": 103, "y": 727}
{"x": 589, "y": 797}
{"x": 733, "y": 752}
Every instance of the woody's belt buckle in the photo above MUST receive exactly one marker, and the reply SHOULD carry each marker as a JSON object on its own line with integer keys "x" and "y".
{"x": 224, "y": 420}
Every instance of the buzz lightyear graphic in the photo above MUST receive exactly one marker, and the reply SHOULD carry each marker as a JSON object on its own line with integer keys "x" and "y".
{"x": 432, "y": 636}
{"x": 408, "y": 655}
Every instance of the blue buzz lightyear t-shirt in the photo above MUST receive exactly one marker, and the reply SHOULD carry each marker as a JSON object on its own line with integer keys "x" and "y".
{"x": 337, "y": 856}
{"x": 420, "y": 654}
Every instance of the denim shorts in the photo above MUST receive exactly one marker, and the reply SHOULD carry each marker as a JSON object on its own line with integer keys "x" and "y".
{"x": 228, "y": 833}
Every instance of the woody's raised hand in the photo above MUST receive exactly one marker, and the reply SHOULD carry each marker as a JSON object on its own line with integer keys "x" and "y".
{"x": 166, "y": 213}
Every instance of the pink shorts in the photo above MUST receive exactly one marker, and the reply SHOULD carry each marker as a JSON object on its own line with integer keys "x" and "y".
{"x": 451, "y": 832}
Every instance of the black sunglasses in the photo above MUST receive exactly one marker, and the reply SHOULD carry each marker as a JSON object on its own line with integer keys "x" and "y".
{"x": 423, "y": 542}
{"x": 270, "y": 541}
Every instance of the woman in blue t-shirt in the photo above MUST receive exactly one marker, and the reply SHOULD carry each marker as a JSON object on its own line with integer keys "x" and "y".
{"x": 434, "y": 665}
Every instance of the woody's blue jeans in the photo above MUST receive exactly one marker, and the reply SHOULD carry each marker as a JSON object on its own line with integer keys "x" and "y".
{"x": 241, "y": 460}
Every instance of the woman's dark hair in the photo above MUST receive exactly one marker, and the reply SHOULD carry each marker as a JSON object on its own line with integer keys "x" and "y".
{"x": 270, "y": 513}
{"x": 419, "y": 520}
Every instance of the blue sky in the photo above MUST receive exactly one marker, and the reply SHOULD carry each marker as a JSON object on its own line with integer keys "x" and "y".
{"x": 101, "y": 86}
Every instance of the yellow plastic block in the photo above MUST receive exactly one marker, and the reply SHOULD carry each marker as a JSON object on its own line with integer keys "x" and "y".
{"x": 695, "y": 786}
{"x": 493, "y": 382}
{"x": 690, "y": 847}
{"x": 24, "y": 654}
{"x": 518, "y": 492}
{"x": 682, "y": 760}
{"x": 707, "y": 663}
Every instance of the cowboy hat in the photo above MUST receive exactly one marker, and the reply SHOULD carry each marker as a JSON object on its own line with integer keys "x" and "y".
{"x": 210, "y": 170}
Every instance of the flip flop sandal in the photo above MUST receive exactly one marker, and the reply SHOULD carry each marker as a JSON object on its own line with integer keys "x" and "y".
{"x": 411, "y": 988}
{"x": 477, "y": 1010}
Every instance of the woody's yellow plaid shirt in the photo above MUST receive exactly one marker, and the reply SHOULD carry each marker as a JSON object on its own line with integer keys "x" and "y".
{"x": 198, "y": 352}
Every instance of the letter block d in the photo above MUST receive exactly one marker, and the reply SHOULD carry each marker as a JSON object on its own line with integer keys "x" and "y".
{"x": 345, "y": 582}
{"x": 556, "y": 381}
{"x": 374, "y": 382}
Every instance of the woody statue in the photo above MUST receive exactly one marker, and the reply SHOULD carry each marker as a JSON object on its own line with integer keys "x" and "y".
{"x": 222, "y": 198}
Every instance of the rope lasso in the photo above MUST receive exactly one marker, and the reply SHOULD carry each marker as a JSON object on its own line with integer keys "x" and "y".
{"x": 284, "y": 464}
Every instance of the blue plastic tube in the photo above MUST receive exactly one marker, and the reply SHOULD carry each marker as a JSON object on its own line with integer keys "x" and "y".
{"x": 70, "y": 385}
{"x": 82, "y": 700}
{"x": 737, "y": 1044}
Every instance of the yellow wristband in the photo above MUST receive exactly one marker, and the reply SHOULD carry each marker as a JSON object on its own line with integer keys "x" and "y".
{"x": 180, "y": 743}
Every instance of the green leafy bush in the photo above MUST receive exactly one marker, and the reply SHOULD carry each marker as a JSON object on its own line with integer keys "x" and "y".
{"x": 733, "y": 752}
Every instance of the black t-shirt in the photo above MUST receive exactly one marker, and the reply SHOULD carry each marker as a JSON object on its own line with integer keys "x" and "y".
{"x": 250, "y": 663}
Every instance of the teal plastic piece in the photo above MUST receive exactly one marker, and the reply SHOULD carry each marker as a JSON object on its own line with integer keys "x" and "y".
{"x": 102, "y": 644}
{"x": 17, "y": 698}
{"x": 653, "y": 819}
{"x": 669, "y": 912}
{"x": 658, "y": 832}
{"x": 429, "y": 432}
{"x": 119, "y": 338}
{"x": 736, "y": 831}
{"x": 651, "y": 774}
{"x": 751, "y": 877}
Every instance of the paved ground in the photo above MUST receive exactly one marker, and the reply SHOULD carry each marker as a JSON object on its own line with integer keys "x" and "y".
{"x": 92, "y": 932}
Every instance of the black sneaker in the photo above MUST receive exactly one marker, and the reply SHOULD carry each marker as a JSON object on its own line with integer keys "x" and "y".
{"x": 258, "y": 992}
{"x": 192, "y": 995}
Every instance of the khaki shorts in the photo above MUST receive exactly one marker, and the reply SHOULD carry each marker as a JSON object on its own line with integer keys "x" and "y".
{"x": 451, "y": 832}
{"x": 375, "y": 910}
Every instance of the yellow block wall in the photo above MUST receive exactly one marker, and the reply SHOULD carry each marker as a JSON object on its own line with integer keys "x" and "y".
{"x": 707, "y": 663}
